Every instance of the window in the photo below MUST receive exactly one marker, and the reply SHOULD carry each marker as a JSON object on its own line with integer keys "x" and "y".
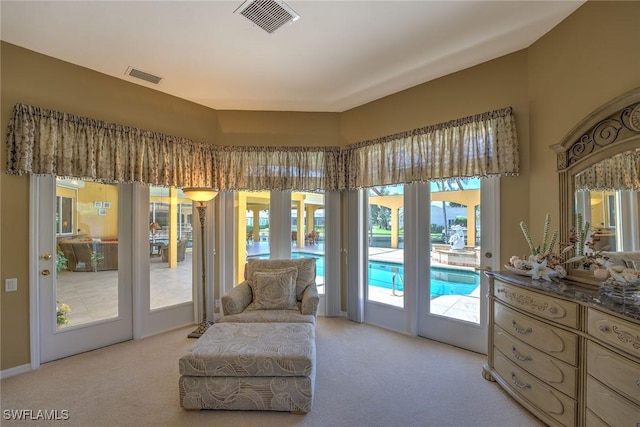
{"x": 64, "y": 215}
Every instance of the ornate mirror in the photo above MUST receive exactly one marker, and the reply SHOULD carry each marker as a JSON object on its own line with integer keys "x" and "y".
{"x": 599, "y": 168}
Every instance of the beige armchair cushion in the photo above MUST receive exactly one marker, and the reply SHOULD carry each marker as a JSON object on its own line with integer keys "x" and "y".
{"x": 274, "y": 290}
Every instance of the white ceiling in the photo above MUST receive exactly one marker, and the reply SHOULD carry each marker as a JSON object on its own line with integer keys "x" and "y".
{"x": 338, "y": 55}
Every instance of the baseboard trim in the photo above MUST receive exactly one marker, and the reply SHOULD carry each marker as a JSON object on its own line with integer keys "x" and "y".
{"x": 15, "y": 371}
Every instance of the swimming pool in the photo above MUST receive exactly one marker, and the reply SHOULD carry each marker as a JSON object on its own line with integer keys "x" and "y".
{"x": 444, "y": 281}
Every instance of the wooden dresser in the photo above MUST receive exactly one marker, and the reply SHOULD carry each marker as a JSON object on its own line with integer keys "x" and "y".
{"x": 564, "y": 352}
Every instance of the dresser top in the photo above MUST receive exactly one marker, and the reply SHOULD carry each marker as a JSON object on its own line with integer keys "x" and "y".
{"x": 589, "y": 295}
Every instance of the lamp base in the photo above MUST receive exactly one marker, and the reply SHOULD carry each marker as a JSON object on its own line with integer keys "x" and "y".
{"x": 201, "y": 329}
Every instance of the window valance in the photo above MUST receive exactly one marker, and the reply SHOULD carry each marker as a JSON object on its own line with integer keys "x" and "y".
{"x": 476, "y": 146}
{"x": 41, "y": 141}
{"x": 620, "y": 172}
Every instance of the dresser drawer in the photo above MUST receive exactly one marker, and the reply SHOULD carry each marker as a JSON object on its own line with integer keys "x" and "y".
{"x": 616, "y": 332}
{"x": 554, "y": 341}
{"x": 546, "y": 307}
{"x": 550, "y": 370}
{"x": 614, "y": 371}
{"x": 553, "y": 403}
{"x": 593, "y": 421}
{"x": 611, "y": 407}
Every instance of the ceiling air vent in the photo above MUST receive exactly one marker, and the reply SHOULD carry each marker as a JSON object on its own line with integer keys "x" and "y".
{"x": 267, "y": 14}
{"x": 133, "y": 72}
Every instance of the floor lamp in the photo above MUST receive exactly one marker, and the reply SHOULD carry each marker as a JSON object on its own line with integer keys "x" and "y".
{"x": 201, "y": 195}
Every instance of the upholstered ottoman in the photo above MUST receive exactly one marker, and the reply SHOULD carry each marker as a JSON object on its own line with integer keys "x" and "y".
{"x": 250, "y": 366}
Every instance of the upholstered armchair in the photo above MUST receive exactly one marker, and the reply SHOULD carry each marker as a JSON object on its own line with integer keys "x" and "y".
{"x": 181, "y": 248}
{"x": 274, "y": 290}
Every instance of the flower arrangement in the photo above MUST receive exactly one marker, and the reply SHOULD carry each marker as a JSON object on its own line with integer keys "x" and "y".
{"x": 542, "y": 262}
{"x": 62, "y": 314}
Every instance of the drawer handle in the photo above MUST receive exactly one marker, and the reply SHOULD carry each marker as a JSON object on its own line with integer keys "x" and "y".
{"x": 520, "y": 356}
{"x": 500, "y": 291}
{"x": 518, "y": 383}
{"x": 520, "y": 330}
{"x": 638, "y": 383}
{"x": 553, "y": 310}
{"x": 603, "y": 328}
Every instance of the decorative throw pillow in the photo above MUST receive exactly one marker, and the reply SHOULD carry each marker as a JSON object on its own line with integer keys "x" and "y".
{"x": 275, "y": 290}
{"x": 306, "y": 270}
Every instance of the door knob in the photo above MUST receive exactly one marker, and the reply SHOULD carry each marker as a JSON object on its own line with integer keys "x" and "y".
{"x": 45, "y": 272}
{"x": 46, "y": 257}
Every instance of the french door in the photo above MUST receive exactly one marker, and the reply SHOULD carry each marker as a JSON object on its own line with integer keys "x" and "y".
{"x": 452, "y": 302}
{"x": 415, "y": 258}
{"x": 386, "y": 291}
{"x": 109, "y": 262}
{"x": 84, "y": 278}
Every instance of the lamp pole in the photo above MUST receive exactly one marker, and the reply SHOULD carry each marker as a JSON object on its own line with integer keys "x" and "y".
{"x": 204, "y": 324}
{"x": 201, "y": 195}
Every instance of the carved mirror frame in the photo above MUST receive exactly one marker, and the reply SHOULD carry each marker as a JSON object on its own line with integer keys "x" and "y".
{"x": 611, "y": 129}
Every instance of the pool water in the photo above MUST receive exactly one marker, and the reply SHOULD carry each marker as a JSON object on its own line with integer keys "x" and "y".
{"x": 444, "y": 281}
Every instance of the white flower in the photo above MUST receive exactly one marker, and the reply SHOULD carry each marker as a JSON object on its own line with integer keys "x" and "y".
{"x": 539, "y": 270}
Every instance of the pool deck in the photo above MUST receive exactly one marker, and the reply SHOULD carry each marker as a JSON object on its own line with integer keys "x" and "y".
{"x": 460, "y": 307}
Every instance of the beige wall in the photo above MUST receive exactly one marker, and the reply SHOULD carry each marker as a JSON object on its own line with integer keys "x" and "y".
{"x": 271, "y": 128}
{"x": 589, "y": 58}
{"x": 592, "y": 57}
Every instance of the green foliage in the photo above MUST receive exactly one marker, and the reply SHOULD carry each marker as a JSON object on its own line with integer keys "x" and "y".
{"x": 461, "y": 220}
{"x": 61, "y": 261}
{"x": 96, "y": 257}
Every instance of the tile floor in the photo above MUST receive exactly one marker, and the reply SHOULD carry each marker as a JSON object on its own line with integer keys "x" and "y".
{"x": 93, "y": 296}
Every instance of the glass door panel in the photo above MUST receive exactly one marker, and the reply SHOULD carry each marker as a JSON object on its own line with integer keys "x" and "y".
{"x": 455, "y": 249}
{"x": 170, "y": 247}
{"x": 385, "y": 236}
{"x": 308, "y": 231}
{"x": 87, "y": 252}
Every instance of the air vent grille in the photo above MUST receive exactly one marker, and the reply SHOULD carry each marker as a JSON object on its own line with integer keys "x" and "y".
{"x": 267, "y": 14}
{"x": 133, "y": 72}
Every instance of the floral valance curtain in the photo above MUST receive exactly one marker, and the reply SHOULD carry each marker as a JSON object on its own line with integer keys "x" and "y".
{"x": 40, "y": 141}
{"x": 620, "y": 172}
{"x": 475, "y": 146}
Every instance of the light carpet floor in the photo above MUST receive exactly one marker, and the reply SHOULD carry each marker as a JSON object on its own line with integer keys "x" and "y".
{"x": 366, "y": 376}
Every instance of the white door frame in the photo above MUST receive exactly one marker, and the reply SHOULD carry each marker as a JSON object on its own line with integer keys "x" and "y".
{"x": 385, "y": 315}
{"x": 42, "y": 240}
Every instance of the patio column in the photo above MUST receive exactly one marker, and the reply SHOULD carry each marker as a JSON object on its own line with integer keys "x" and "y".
{"x": 394, "y": 227}
{"x": 311, "y": 209}
{"x": 256, "y": 225}
{"x": 300, "y": 226}
{"x": 471, "y": 225}
{"x": 172, "y": 244}
{"x": 241, "y": 235}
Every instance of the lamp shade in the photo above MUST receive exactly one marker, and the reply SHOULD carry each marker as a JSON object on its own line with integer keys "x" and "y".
{"x": 154, "y": 226}
{"x": 200, "y": 194}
